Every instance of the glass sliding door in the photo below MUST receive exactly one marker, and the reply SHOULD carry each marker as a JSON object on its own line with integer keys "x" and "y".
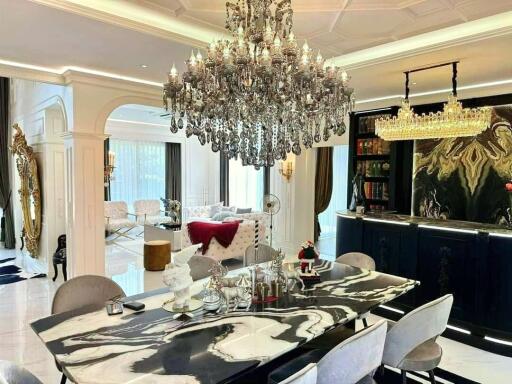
{"x": 139, "y": 172}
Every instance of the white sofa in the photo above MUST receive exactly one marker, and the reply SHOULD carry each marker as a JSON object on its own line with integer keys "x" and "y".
{"x": 244, "y": 237}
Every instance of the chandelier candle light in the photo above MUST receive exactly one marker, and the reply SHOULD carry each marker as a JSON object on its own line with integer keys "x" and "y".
{"x": 453, "y": 121}
{"x": 258, "y": 96}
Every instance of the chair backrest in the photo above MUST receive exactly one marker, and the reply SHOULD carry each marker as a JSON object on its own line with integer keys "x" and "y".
{"x": 307, "y": 375}
{"x": 264, "y": 253}
{"x": 11, "y": 373}
{"x": 424, "y": 323}
{"x": 357, "y": 259}
{"x": 148, "y": 207}
{"x": 200, "y": 266}
{"x": 116, "y": 209}
{"x": 354, "y": 358}
{"x": 85, "y": 290}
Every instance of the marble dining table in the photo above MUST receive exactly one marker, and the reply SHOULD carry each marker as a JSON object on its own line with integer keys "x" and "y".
{"x": 152, "y": 347}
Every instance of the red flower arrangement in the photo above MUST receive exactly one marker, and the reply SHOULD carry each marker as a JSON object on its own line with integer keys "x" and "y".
{"x": 308, "y": 252}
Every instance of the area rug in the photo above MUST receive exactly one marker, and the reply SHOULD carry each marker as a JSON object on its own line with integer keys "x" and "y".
{"x": 11, "y": 273}
{"x": 392, "y": 376}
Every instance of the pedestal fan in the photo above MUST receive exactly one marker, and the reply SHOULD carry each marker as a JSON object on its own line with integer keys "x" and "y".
{"x": 271, "y": 206}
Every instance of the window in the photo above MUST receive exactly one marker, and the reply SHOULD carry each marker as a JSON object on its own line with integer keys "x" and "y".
{"x": 338, "y": 201}
{"x": 139, "y": 172}
{"x": 245, "y": 185}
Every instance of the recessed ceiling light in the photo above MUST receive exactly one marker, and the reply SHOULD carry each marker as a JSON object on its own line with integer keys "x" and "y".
{"x": 143, "y": 66}
{"x": 413, "y": 83}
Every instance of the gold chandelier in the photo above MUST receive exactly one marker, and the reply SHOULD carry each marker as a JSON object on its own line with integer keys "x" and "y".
{"x": 452, "y": 121}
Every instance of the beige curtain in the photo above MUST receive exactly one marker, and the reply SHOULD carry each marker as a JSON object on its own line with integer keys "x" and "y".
{"x": 323, "y": 184}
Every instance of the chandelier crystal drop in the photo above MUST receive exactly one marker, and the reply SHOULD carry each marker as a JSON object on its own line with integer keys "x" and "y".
{"x": 452, "y": 121}
{"x": 258, "y": 96}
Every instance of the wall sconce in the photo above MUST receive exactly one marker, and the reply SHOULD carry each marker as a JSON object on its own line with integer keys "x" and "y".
{"x": 286, "y": 169}
{"x": 108, "y": 172}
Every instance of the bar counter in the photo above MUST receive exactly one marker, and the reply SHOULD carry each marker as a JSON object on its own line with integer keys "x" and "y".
{"x": 471, "y": 260}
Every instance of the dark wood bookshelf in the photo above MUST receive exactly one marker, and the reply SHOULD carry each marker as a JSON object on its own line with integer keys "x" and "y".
{"x": 398, "y": 156}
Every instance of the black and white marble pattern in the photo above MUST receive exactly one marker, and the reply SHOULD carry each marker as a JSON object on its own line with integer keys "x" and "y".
{"x": 151, "y": 347}
{"x": 11, "y": 273}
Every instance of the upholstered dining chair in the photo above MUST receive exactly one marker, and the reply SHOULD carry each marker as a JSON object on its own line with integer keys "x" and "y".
{"x": 265, "y": 253}
{"x": 82, "y": 291}
{"x": 11, "y": 373}
{"x": 358, "y": 260}
{"x": 353, "y": 361}
{"x": 200, "y": 266}
{"x": 306, "y": 375}
{"x": 411, "y": 342}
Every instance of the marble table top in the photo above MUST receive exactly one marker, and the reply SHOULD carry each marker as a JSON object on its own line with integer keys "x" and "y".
{"x": 151, "y": 347}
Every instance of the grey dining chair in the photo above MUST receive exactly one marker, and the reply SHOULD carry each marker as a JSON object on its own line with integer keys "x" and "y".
{"x": 307, "y": 375}
{"x": 356, "y": 359}
{"x": 353, "y": 361}
{"x": 200, "y": 266}
{"x": 264, "y": 254}
{"x": 411, "y": 342}
{"x": 358, "y": 260}
{"x": 11, "y": 373}
{"x": 82, "y": 291}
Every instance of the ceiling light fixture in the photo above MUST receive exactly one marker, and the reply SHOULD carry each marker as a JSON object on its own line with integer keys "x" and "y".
{"x": 453, "y": 121}
{"x": 258, "y": 96}
{"x": 143, "y": 66}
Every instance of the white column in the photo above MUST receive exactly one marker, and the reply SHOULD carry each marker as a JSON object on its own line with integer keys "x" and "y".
{"x": 84, "y": 203}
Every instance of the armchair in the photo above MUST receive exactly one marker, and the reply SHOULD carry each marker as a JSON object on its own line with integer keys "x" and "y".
{"x": 116, "y": 219}
{"x": 148, "y": 212}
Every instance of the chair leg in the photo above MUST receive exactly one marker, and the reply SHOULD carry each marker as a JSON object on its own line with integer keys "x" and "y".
{"x": 63, "y": 379}
{"x": 404, "y": 377}
{"x": 65, "y": 269}
{"x": 365, "y": 322}
{"x": 432, "y": 377}
{"x": 55, "y": 270}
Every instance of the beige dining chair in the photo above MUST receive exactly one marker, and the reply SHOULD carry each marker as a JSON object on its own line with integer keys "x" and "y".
{"x": 307, "y": 375}
{"x": 200, "y": 266}
{"x": 264, "y": 253}
{"x": 356, "y": 359}
{"x": 11, "y": 373}
{"x": 353, "y": 361}
{"x": 82, "y": 291}
{"x": 411, "y": 342}
{"x": 358, "y": 260}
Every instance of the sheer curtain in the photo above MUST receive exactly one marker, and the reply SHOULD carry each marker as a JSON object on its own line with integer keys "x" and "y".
{"x": 245, "y": 185}
{"x": 338, "y": 202}
{"x": 139, "y": 172}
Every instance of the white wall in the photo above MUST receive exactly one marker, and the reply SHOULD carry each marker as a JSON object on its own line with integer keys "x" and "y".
{"x": 40, "y": 111}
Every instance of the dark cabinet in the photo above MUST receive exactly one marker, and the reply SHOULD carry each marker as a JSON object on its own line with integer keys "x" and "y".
{"x": 474, "y": 266}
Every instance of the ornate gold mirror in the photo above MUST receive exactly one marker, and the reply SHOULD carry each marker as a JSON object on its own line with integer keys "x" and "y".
{"x": 30, "y": 193}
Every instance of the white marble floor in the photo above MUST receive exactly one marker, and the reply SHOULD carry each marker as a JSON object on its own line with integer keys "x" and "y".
{"x": 22, "y": 302}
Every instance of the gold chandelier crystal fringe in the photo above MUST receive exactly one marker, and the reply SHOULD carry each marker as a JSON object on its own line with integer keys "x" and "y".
{"x": 453, "y": 121}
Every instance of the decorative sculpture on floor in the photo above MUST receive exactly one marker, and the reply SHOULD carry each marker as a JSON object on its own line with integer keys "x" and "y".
{"x": 177, "y": 277}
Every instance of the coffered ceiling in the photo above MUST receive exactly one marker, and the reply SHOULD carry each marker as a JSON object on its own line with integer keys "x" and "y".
{"x": 341, "y": 26}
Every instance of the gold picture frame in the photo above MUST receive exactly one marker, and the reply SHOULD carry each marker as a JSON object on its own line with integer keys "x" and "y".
{"x": 30, "y": 192}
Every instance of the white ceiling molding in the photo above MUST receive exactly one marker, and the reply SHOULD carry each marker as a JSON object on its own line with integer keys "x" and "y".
{"x": 485, "y": 28}
{"x": 138, "y": 17}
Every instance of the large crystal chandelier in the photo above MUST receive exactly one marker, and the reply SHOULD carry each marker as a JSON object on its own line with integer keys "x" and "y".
{"x": 258, "y": 96}
{"x": 452, "y": 121}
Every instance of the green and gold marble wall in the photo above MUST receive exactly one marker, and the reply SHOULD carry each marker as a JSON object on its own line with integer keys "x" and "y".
{"x": 464, "y": 178}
